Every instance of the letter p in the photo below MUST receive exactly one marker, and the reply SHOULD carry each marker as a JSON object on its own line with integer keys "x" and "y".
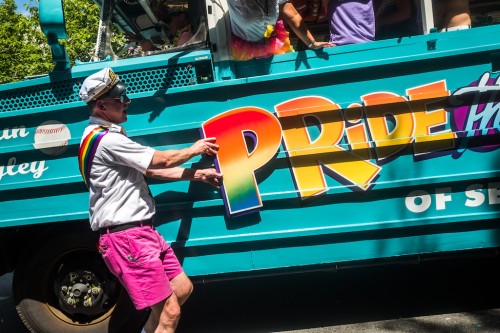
{"x": 236, "y": 160}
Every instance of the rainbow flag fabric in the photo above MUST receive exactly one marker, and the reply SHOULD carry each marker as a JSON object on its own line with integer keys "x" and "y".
{"x": 87, "y": 151}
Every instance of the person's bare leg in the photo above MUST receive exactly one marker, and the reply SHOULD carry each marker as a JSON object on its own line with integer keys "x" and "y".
{"x": 182, "y": 287}
{"x": 150, "y": 324}
{"x": 164, "y": 316}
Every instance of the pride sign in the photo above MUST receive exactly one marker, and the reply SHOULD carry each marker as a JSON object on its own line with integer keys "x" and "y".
{"x": 351, "y": 146}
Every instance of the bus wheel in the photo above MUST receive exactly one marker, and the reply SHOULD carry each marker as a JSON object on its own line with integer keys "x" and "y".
{"x": 64, "y": 286}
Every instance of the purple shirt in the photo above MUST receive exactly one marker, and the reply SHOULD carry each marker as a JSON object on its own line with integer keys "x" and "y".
{"x": 351, "y": 21}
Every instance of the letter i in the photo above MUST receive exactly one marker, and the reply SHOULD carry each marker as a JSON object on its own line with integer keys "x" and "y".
{"x": 356, "y": 132}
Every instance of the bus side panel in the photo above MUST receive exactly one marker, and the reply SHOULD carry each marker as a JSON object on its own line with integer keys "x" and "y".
{"x": 352, "y": 160}
{"x": 378, "y": 161}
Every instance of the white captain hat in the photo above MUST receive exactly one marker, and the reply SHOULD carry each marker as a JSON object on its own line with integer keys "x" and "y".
{"x": 100, "y": 83}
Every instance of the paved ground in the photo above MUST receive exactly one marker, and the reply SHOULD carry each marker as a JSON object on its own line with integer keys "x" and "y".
{"x": 452, "y": 296}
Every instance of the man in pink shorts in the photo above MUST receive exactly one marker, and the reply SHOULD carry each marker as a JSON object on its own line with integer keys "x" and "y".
{"x": 121, "y": 207}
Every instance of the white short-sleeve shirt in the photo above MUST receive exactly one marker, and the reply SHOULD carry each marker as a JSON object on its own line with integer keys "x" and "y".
{"x": 118, "y": 191}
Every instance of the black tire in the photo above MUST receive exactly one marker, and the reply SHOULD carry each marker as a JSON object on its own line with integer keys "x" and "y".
{"x": 51, "y": 267}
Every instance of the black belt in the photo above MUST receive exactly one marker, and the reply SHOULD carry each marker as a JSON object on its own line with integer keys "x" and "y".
{"x": 125, "y": 226}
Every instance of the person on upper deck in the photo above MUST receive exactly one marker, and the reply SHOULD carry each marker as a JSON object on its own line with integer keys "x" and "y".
{"x": 452, "y": 15}
{"x": 179, "y": 29}
{"x": 396, "y": 18}
{"x": 257, "y": 32}
{"x": 351, "y": 21}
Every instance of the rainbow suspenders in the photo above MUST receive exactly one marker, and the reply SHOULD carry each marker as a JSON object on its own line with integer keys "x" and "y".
{"x": 87, "y": 151}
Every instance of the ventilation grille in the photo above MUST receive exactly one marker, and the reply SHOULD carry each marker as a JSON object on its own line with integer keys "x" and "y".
{"x": 63, "y": 92}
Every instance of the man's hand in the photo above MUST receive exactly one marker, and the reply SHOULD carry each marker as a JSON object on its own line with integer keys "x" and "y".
{"x": 172, "y": 157}
{"x": 209, "y": 176}
{"x": 205, "y": 146}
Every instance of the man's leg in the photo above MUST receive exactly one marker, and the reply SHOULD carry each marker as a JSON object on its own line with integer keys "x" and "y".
{"x": 162, "y": 313}
{"x": 150, "y": 325}
{"x": 164, "y": 316}
{"x": 183, "y": 288}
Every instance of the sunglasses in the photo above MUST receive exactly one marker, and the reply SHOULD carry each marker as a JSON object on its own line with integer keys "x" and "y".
{"x": 123, "y": 97}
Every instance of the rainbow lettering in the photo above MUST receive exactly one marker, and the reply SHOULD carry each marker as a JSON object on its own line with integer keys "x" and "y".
{"x": 352, "y": 145}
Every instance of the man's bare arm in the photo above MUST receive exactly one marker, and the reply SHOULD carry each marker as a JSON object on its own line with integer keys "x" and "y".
{"x": 209, "y": 175}
{"x": 173, "y": 158}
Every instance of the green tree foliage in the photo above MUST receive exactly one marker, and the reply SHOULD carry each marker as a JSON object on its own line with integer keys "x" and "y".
{"x": 82, "y": 23}
{"x": 25, "y": 51}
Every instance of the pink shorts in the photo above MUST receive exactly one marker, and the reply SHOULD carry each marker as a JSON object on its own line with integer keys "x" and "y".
{"x": 143, "y": 262}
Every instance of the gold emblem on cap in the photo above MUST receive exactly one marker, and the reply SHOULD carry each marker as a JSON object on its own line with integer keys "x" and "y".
{"x": 112, "y": 76}
{"x": 113, "y": 80}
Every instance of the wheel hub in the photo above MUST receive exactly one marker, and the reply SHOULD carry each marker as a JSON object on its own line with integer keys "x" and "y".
{"x": 81, "y": 292}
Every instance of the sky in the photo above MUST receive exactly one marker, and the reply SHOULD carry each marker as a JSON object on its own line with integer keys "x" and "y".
{"x": 20, "y": 6}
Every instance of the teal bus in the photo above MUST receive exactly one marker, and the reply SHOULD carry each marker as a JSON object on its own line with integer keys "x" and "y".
{"x": 375, "y": 153}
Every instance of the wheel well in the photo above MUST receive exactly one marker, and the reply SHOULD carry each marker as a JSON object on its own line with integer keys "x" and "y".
{"x": 16, "y": 241}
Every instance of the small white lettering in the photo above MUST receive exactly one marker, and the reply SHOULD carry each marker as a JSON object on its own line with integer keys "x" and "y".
{"x": 494, "y": 193}
{"x": 475, "y": 195}
{"x": 418, "y": 201}
{"x": 37, "y": 168}
{"x": 481, "y": 87}
{"x": 13, "y": 133}
{"x": 442, "y": 198}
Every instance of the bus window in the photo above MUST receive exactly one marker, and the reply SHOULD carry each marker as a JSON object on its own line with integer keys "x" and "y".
{"x": 397, "y": 18}
{"x": 450, "y": 15}
{"x": 153, "y": 26}
{"x": 403, "y": 18}
{"x": 485, "y": 12}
